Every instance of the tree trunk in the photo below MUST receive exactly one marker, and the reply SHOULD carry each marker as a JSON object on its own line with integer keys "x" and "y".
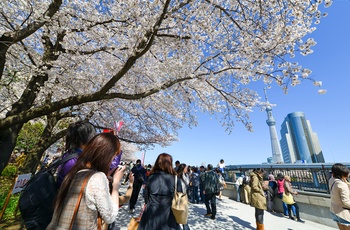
{"x": 31, "y": 162}
{"x": 47, "y": 139}
{"x": 8, "y": 139}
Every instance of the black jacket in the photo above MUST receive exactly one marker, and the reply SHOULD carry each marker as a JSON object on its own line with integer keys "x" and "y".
{"x": 159, "y": 193}
{"x": 211, "y": 181}
{"x": 139, "y": 174}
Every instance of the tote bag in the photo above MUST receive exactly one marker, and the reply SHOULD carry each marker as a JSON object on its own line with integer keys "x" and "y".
{"x": 134, "y": 223}
{"x": 179, "y": 206}
{"x": 288, "y": 199}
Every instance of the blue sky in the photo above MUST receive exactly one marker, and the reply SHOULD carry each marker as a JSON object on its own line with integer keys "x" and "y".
{"x": 328, "y": 113}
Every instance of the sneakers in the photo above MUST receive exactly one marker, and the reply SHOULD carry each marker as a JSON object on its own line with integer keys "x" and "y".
{"x": 301, "y": 221}
{"x": 210, "y": 216}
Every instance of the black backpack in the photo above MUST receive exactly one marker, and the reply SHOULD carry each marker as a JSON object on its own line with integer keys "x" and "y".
{"x": 36, "y": 201}
{"x": 246, "y": 180}
{"x": 139, "y": 174}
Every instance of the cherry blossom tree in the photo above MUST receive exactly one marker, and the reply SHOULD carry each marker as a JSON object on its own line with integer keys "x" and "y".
{"x": 154, "y": 64}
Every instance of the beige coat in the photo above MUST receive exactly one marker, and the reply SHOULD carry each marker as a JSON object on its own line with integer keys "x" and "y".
{"x": 258, "y": 199}
{"x": 288, "y": 188}
{"x": 340, "y": 198}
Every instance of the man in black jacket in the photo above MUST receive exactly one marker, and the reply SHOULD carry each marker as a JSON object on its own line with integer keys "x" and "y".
{"x": 140, "y": 176}
{"x": 210, "y": 184}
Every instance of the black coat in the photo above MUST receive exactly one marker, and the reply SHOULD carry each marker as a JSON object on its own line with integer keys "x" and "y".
{"x": 139, "y": 174}
{"x": 159, "y": 193}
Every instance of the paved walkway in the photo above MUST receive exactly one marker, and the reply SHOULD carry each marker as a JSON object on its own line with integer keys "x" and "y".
{"x": 230, "y": 215}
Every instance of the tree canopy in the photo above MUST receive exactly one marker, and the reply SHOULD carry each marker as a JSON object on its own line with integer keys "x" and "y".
{"x": 153, "y": 64}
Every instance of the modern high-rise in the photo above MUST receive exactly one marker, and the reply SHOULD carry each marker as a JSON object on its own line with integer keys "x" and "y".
{"x": 298, "y": 142}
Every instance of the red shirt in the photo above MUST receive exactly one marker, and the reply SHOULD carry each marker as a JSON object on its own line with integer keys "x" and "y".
{"x": 280, "y": 185}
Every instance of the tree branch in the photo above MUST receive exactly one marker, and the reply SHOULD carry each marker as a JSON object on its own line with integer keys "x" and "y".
{"x": 174, "y": 36}
{"x": 225, "y": 12}
{"x": 10, "y": 38}
{"x": 76, "y": 100}
{"x": 141, "y": 49}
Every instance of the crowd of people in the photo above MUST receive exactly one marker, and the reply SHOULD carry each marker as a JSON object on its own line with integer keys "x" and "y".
{"x": 260, "y": 190}
{"x": 94, "y": 174}
{"x": 253, "y": 190}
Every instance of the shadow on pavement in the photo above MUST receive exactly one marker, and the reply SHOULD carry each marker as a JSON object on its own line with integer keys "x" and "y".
{"x": 243, "y": 224}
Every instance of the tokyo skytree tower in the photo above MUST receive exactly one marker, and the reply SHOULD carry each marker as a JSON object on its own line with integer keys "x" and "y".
{"x": 275, "y": 144}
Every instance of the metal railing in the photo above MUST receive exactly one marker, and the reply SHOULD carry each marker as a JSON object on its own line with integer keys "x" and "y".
{"x": 304, "y": 177}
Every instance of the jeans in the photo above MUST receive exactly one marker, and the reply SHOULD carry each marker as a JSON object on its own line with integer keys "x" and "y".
{"x": 296, "y": 212}
{"x": 210, "y": 198}
{"x": 238, "y": 190}
{"x": 195, "y": 197}
{"x": 285, "y": 206}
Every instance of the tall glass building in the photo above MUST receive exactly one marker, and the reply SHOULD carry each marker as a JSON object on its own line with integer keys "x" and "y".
{"x": 298, "y": 142}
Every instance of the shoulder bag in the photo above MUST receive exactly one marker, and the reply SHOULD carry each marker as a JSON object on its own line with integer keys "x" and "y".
{"x": 288, "y": 199}
{"x": 135, "y": 221}
{"x": 179, "y": 205}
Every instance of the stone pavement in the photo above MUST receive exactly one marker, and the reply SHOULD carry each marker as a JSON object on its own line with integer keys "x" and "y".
{"x": 230, "y": 215}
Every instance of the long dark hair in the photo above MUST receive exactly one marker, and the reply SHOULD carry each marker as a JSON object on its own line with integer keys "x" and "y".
{"x": 163, "y": 163}
{"x": 180, "y": 170}
{"x": 97, "y": 155}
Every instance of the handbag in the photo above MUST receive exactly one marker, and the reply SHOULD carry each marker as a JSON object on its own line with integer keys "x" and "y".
{"x": 135, "y": 221}
{"x": 179, "y": 206}
{"x": 288, "y": 199}
{"x": 139, "y": 178}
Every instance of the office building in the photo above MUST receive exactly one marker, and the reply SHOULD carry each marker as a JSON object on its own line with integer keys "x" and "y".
{"x": 299, "y": 144}
{"x": 270, "y": 160}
